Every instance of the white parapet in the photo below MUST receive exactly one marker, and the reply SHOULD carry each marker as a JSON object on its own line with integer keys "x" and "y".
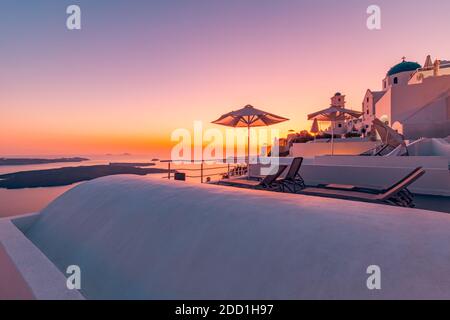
{"x": 376, "y": 172}
{"x": 41, "y": 276}
{"x": 341, "y": 147}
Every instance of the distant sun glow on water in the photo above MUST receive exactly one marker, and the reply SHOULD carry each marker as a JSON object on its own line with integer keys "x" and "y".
{"x": 136, "y": 72}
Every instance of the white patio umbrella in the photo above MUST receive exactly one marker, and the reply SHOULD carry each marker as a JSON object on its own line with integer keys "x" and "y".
{"x": 249, "y": 117}
{"x": 333, "y": 114}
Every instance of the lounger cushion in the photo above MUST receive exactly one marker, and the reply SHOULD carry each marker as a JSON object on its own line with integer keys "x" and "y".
{"x": 344, "y": 194}
{"x": 251, "y": 183}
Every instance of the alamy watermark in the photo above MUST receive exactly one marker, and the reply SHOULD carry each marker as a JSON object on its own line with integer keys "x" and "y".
{"x": 374, "y": 19}
{"x": 213, "y": 146}
{"x": 73, "y": 21}
{"x": 74, "y": 280}
{"x": 374, "y": 280}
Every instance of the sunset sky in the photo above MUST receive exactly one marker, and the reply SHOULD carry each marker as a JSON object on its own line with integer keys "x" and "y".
{"x": 137, "y": 70}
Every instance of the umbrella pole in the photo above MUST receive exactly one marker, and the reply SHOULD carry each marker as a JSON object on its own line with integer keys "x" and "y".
{"x": 248, "y": 151}
{"x": 332, "y": 138}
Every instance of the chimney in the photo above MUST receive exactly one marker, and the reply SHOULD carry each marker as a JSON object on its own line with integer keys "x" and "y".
{"x": 436, "y": 67}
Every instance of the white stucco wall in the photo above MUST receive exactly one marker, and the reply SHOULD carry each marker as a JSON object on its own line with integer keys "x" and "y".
{"x": 309, "y": 150}
{"x": 420, "y": 75}
{"x": 383, "y": 107}
{"x": 368, "y": 109}
{"x": 434, "y": 147}
{"x": 376, "y": 172}
{"x": 411, "y": 98}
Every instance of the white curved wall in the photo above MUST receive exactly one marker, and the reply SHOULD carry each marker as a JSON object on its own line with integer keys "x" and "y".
{"x": 430, "y": 147}
{"x": 139, "y": 237}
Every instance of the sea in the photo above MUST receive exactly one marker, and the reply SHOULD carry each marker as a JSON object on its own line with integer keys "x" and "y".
{"x": 15, "y": 202}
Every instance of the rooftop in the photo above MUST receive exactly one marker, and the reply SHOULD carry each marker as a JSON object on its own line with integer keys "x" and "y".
{"x": 403, "y": 67}
{"x": 143, "y": 237}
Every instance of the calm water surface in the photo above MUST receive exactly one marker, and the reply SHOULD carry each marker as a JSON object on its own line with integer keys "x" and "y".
{"x": 20, "y": 201}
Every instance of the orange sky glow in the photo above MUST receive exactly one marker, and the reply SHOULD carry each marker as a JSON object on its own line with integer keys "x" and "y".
{"x": 124, "y": 87}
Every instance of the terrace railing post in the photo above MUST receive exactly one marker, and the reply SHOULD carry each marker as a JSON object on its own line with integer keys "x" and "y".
{"x": 201, "y": 172}
{"x": 228, "y": 170}
{"x": 168, "y": 167}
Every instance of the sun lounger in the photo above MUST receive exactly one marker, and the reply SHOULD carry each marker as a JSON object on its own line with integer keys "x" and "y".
{"x": 405, "y": 192}
{"x": 365, "y": 188}
{"x": 293, "y": 181}
{"x": 267, "y": 183}
{"x": 398, "y": 194}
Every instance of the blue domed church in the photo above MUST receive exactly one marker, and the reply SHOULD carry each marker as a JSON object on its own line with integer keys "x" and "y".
{"x": 414, "y": 100}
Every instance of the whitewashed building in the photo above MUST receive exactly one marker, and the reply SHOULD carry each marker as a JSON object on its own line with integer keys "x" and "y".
{"x": 414, "y": 100}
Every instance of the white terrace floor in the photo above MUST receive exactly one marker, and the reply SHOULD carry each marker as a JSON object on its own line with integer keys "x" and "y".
{"x": 147, "y": 238}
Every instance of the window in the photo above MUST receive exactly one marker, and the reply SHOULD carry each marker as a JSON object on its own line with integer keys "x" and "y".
{"x": 367, "y": 99}
{"x": 367, "y": 111}
{"x": 395, "y": 80}
{"x": 340, "y": 125}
